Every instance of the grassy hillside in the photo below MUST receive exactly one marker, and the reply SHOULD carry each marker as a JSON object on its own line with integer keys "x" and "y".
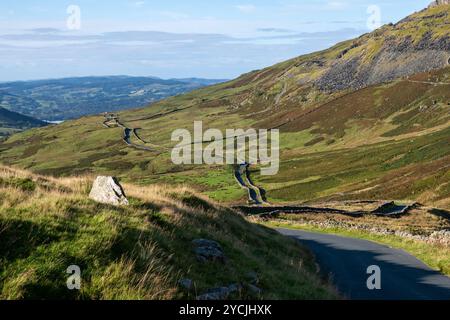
{"x": 12, "y": 122}
{"x": 364, "y": 139}
{"x": 136, "y": 252}
{"x": 386, "y": 141}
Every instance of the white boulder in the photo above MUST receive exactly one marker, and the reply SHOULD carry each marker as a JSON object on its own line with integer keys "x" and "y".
{"x": 107, "y": 190}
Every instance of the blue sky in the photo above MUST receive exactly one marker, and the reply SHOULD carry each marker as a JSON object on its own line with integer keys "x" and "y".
{"x": 175, "y": 38}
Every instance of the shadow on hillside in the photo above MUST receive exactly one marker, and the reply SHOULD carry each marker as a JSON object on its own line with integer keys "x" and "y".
{"x": 440, "y": 213}
{"x": 19, "y": 238}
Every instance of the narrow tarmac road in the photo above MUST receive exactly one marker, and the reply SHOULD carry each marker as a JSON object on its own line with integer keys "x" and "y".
{"x": 242, "y": 176}
{"x": 403, "y": 277}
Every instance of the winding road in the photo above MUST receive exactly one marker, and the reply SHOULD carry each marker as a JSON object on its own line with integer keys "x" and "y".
{"x": 403, "y": 277}
{"x": 241, "y": 172}
{"x": 256, "y": 195}
{"x": 127, "y": 132}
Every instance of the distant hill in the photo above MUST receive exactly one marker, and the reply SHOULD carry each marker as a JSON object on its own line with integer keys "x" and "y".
{"x": 70, "y": 98}
{"x": 11, "y": 122}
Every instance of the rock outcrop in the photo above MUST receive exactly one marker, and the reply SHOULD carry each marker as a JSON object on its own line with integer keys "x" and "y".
{"x": 236, "y": 289}
{"x": 439, "y": 3}
{"x": 208, "y": 250}
{"x": 107, "y": 190}
{"x": 392, "y": 51}
{"x": 186, "y": 284}
{"x": 221, "y": 293}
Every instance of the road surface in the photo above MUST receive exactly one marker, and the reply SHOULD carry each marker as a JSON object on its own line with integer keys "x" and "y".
{"x": 242, "y": 176}
{"x": 403, "y": 277}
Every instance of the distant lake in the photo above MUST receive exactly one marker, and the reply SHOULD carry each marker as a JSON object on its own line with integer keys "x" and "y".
{"x": 54, "y": 122}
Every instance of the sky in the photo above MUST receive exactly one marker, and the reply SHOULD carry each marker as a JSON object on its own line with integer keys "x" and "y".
{"x": 218, "y": 39}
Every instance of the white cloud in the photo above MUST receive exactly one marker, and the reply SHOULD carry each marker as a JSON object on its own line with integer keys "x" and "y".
{"x": 30, "y": 44}
{"x": 246, "y": 8}
{"x": 336, "y": 5}
{"x": 163, "y": 54}
{"x": 139, "y": 4}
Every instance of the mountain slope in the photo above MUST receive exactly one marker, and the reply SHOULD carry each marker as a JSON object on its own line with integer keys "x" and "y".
{"x": 11, "y": 122}
{"x": 362, "y": 138}
{"x": 69, "y": 98}
{"x": 416, "y": 44}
